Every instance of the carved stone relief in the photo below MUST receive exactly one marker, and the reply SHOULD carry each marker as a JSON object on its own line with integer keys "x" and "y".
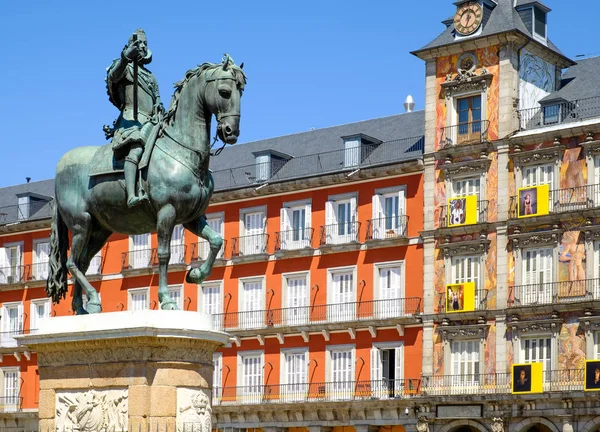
{"x": 497, "y": 425}
{"x": 423, "y": 424}
{"x": 92, "y": 410}
{"x": 193, "y": 410}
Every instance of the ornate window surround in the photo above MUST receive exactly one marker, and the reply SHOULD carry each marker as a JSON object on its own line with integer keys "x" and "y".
{"x": 540, "y": 327}
{"x": 462, "y": 332}
{"x": 544, "y": 156}
{"x": 535, "y": 240}
{"x": 592, "y": 149}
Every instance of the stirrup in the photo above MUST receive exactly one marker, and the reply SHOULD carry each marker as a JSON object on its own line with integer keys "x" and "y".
{"x": 136, "y": 200}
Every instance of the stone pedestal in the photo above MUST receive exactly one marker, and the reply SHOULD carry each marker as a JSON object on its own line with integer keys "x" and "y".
{"x": 134, "y": 370}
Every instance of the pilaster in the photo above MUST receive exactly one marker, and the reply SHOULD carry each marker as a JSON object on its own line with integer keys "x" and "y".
{"x": 509, "y": 90}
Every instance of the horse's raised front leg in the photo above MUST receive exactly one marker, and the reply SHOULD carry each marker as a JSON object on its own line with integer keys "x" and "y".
{"x": 165, "y": 225}
{"x": 81, "y": 236}
{"x": 202, "y": 229}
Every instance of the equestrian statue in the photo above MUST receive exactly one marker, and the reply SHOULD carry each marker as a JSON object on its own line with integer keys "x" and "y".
{"x": 152, "y": 176}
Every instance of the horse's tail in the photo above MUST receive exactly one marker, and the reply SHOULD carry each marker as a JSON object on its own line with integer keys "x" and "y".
{"x": 56, "y": 285}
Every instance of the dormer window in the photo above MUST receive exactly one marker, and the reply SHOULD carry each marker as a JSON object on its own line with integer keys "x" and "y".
{"x": 539, "y": 22}
{"x": 534, "y": 16}
{"x": 29, "y": 204}
{"x": 23, "y": 211}
{"x": 267, "y": 164}
{"x": 357, "y": 148}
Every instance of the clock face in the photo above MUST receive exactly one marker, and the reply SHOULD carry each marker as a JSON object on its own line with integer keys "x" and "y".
{"x": 468, "y": 18}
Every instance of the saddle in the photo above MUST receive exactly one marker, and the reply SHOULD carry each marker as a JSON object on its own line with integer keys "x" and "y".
{"x": 106, "y": 161}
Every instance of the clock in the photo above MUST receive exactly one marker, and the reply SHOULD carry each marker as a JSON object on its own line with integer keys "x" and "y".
{"x": 468, "y": 18}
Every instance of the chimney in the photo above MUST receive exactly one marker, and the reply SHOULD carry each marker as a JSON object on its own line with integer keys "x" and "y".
{"x": 28, "y": 179}
{"x": 409, "y": 104}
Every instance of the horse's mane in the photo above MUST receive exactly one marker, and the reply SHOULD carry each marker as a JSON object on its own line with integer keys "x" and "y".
{"x": 235, "y": 70}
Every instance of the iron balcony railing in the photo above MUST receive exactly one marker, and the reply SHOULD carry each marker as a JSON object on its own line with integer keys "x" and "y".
{"x": 95, "y": 267}
{"x": 255, "y": 244}
{"x": 14, "y": 274}
{"x": 137, "y": 259}
{"x": 177, "y": 255}
{"x": 10, "y": 404}
{"x": 34, "y": 210}
{"x": 39, "y": 270}
{"x": 559, "y": 113}
{"x": 7, "y": 338}
{"x": 387, "y": 228}
{"x": 554, "y": 292}
{"x": 446, "y": 220}
{"x": 368, "y": 155}
{"x": 318, "y": 314}
{"x": 562, "y": 201}
{"x": 340, "y": 233}
{"x": 464, "y": 133}
{"x": 480, "y": 302}
{"x": 319, "y": 392}
{"x": 294, "y": 239}
{"x": 200, "y": 250}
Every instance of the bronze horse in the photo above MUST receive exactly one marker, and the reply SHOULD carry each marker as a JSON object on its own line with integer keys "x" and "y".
{"x": 177, "y": 180}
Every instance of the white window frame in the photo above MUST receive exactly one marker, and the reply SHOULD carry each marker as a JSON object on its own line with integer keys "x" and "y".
{"x": 252, "y": 245}
{"x": 175, "y": 288}
{"x": 34, "y": 325}
{"x": 217, "y": 389}
{"x": 16, "y": 401}
{"x": 379, "y": 387}
{"x": 466, "y": 383}
{"x": 294, "y": 391}
{"x": 35, "y": 259}
{"x": 335, "y": 389}
{"x": 132, "y": 291}
{"x": 389, "y": 309}
{"x": 177, "y": 249}
{"x": 204, "y": 245}
{"x": 331, "y": 218}
{"x": 97, "y": 257}
{"x": 255, "y": 318}
{"x": 4, "y": 275}
{"x": 217, "y": 316}
{"x": 286, "y": 234}
{"x": 533, "y": 298}
{"x": 333, "y": 311}
{"x": 553, "y": 352}
{"x": 132, "y": 250}
{"x": 301, "y": 316}
{"x": 379, "y": 218}
{"x": 241, "y": 377}
{"x": 6, "y": 336}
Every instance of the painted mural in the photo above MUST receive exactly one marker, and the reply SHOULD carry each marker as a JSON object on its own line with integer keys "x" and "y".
{"x": 490, "y": 272}
{"x": 536, "y": 79}
{"x": 490, "y": 350}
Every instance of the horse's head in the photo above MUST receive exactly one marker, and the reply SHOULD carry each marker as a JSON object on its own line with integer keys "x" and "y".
{"x": 222, "y": 95}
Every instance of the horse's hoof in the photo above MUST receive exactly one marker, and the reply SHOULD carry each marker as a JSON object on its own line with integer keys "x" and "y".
{"x": 94, "y": 308}
{"x": 195, "y": 276}
{"x": 169, "y": 305}
{"x": 81, "y": 311}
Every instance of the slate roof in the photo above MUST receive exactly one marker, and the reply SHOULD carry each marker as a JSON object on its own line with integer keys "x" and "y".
{"x": 504, "y": 18}
{"x": 529, "y": 2}
{"x": 580, "y": 81}
{"x": 315, "y": 152}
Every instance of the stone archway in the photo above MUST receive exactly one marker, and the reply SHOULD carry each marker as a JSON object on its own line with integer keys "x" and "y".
{"x": 592, "y": 426}
{"x": 464, "y": 426}
{"x": 536, "y": 424}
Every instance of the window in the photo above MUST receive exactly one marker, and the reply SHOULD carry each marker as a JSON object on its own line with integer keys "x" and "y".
{"x": 387, "y": 371}
{"x": 551, "y": 114}
{"x": 466, "y": 269}
{"x": 388, "y": 214}
{"x": 352, "y": 152}
{"x": 217, "y": 390}
{"x": 465, "y": 363}
{"x": 467, "y": 187}
{"x": 23, "y": 204}
{"x": 340, "y": 216}
{"x": 40, "y": 309}
{"x": 539, "y": 22}
{"x": 176, "y": 294}
{"x": 95, "y": 266}
{"x": 389, "y": 290}
{"x": 342, "y": 297}
{"x": 139, "y": 253}
{"x": 263, "y": 167}
{"x": 252, "y": 304}
{"x": 215, "y": 221}
{"x": 254, "y": 238}
{"x": 11, "y": 323}
{"x": 538, "y": 175}
{"x": 177, "y": 246}
{"x": 11, "y": 391}
{"x": 537, "y": 271}
{"x": 10, "y": 263}
{"x": 295, "y": 223}
{"x": 539, "y": 350}
{"x": 251, "y": 375}
{"x": 296, "y": 299}
{"x": 138, "y": 299}
{"x": 341, "y": 372}
{"x": 596, "y": 346}
{"x": 212, "y": 303}
{"x": 295, "y": 373}
{"x": 469, "y": 119}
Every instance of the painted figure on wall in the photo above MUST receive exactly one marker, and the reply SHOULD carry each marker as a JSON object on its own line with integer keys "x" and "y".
{"x": 572, "y": 253}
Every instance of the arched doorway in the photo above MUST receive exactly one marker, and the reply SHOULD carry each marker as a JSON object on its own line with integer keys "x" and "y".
{"x": 464, "y": 429}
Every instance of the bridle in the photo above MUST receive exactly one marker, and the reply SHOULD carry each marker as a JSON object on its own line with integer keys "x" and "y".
{"x": 219, "y": 115}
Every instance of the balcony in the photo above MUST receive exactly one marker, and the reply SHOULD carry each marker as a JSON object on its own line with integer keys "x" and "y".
{"x": 177, "y": 255}
{"x": 554, "y": 293}
{"x": 340, "y": 236}
{"x": 387, "y": 230}
{"x": 36, "y": 209}
{"x": 7, "y": 338}
{"x": 464, "y": 134}
{"x": 332, "y": 315}
{"x": 200, "y": 252}
{"x": 137, "y": 261}
{"x": 14, "y": 275}
{"x": 498, "y": 383}
{"x": 582, "y": 198}
{"x": 294, "y": 242}
{"x": 482, "y": 215}
{"x": 95, "y": 267}
{"x": 481, "y": 302}
{"x": 319, "y": 392}
{"x": 249, "y": 248}
{"x": 11, "y": 404}
{"x": 559, "y": 113}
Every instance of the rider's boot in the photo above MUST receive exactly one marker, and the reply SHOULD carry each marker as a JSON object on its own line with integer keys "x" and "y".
{"x": 130, "y": 169}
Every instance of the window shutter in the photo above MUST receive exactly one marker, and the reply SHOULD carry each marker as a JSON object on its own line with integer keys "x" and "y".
{"x": 376, "y": 205}
{"x": 353, "y": 215}
{"x": 330, "y": 216}
{"x": 308, "y": 215}
{"x": 375, "y": 365}
{"x": 284, "y": 220}
{"x": 18, "y": 259}
{"x": 4, "y": 271}
{"x": 402, "y": 202}
{"x": 20, "y": 318}
{"x": 399, "y": 364}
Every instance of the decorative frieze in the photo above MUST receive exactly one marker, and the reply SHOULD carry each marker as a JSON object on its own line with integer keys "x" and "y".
{"x": 477, "y": 166}
{"x": 466, "y": 81}
{"x": 472, "y": 247}
{"x": 539, "y": 156}
{"x": 536, "y": 326}
{"x": 538, "y": 238}
{"x": 497, "y": 424}
{"x": 464, "y": 332}
{"x": 92, "y": 410}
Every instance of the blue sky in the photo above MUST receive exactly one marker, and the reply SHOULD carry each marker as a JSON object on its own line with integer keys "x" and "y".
{"x": 310, "y": 64}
